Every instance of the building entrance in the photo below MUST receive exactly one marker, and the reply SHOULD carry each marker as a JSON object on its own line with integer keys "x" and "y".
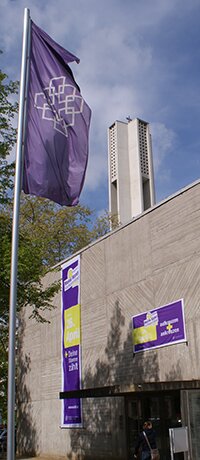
{"x": 163, "y": 409}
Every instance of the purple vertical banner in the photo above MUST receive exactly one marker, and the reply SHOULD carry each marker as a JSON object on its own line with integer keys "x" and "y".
{"x": 71, "y": 342}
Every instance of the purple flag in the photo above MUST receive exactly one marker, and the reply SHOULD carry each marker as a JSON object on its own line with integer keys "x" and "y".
{"x": 58, "y": 119}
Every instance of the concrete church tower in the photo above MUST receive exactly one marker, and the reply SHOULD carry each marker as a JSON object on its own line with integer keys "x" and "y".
{"x": 131, "y": 178}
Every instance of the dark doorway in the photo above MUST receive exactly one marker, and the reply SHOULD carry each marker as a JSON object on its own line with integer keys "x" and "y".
{"x": 163, "y": 409}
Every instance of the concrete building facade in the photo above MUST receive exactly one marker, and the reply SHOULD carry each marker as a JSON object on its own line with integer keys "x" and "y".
{"x": 150, "y": 262}
{"x": 130, "y": 177}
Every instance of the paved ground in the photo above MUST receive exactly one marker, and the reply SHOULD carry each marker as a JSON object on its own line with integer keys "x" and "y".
{"x": 52, "y": 457}
{"x": 46, "y": 457}
{"x": 42, "y": 458}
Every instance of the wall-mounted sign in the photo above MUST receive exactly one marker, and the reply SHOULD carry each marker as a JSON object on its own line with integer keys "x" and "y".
{"x": 178, "y": 438}
{"x": 71, "y": 342}
{"x": 159, "y": 327}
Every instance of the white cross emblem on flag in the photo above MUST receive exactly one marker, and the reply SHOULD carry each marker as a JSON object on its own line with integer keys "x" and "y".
{"x": 59, "y": 102}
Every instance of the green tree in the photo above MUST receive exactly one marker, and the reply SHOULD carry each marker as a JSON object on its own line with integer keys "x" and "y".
{"x": 29, "y": 290}
{"x": 104, "y": 224}
{"x": 56, "y": 232}
{"x": 8, "y": 109}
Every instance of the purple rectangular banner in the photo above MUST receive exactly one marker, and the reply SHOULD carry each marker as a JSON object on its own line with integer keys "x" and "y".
{"x": 159, "y": 327}
{"x": 71, "y": 342}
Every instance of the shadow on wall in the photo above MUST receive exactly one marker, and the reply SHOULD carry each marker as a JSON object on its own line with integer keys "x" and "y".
{"x": 103, "y": 418}
{"x": 175, "y": 373}
{"x": 119, "y": 366}
{"x": 27, "y": 443}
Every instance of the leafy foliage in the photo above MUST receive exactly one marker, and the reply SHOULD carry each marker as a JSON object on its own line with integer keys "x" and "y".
{"x": 8, "y": 109}
{"x": 55, "y": 232}
{"x": 104, "y": 224}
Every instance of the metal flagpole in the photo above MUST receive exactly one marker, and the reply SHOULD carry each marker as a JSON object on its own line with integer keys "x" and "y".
{"x": 15, "y": 239}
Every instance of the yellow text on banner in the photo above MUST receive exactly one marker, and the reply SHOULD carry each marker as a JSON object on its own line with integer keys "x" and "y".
{"x": 72, "y": 326}
{"x": 144, "y": 334}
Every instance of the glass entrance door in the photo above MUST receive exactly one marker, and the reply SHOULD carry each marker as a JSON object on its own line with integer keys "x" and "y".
{"x": 163, "y": 409}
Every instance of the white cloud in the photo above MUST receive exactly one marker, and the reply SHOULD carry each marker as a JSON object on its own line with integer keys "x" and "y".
{"x": 96, "y": 171}
{"x": 163, "y": 142}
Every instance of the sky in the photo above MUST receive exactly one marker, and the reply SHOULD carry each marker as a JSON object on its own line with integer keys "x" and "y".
{"x": 137, "y": 58}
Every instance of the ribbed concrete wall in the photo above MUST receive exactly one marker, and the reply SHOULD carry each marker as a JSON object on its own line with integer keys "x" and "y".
{"x": 150, "y": 262}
